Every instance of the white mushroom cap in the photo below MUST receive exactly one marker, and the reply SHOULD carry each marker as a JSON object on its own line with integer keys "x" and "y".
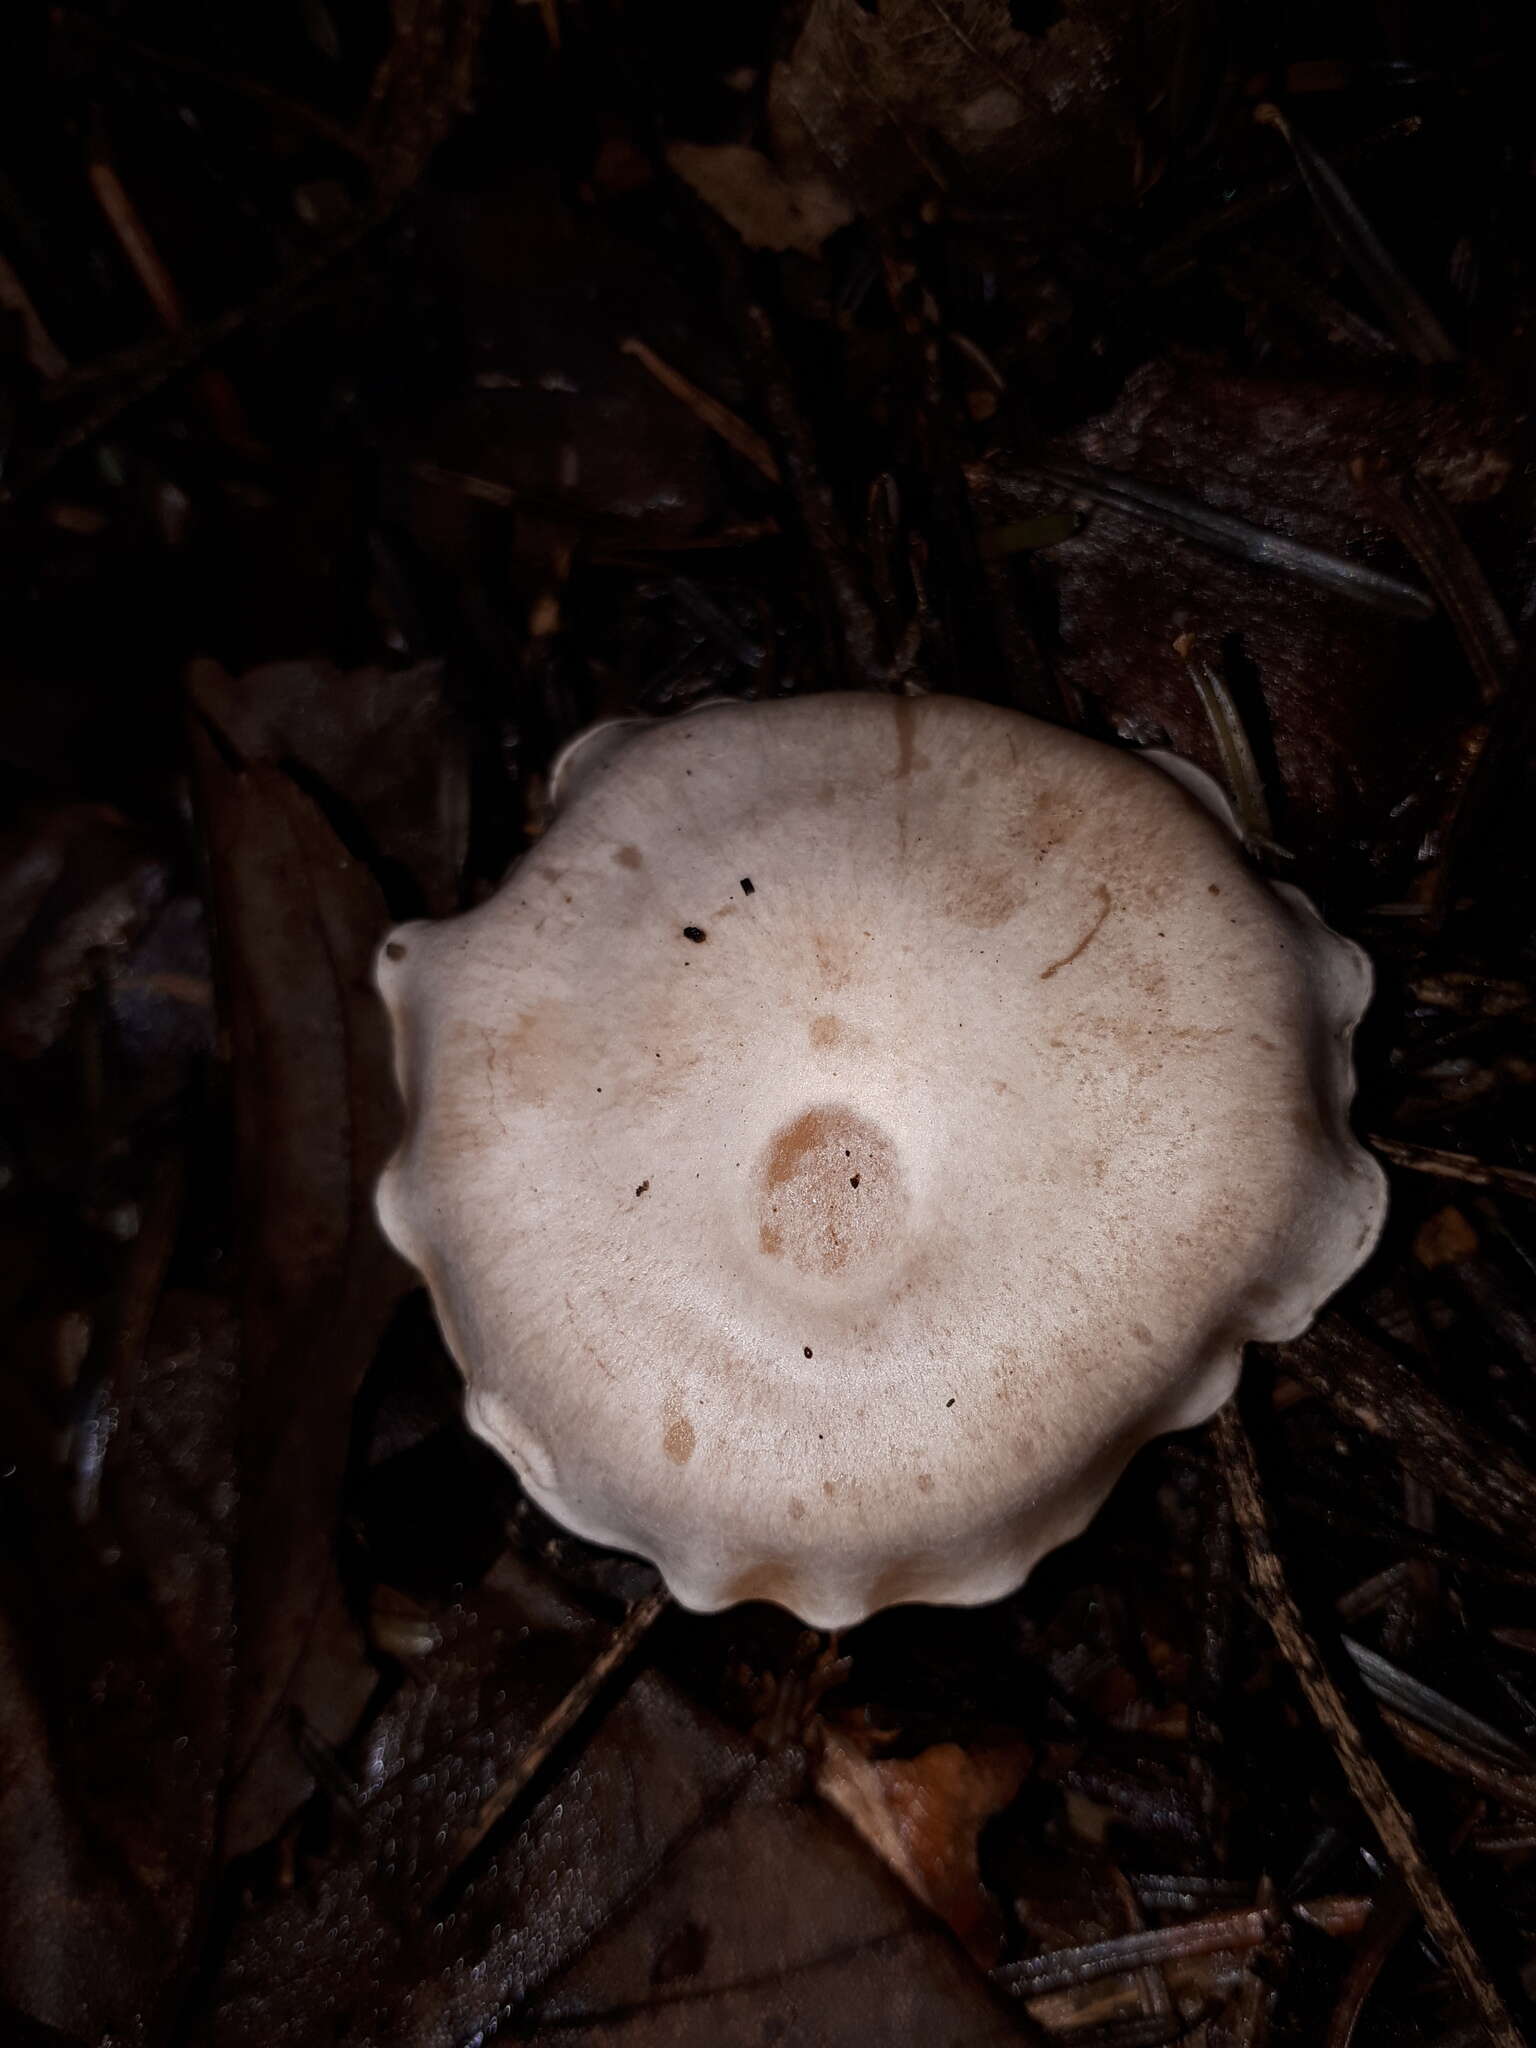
{"x": 855, "y": 1128}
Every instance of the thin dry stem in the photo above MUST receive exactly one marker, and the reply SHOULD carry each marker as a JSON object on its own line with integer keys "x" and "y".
{"x": 1388, "y": 1816}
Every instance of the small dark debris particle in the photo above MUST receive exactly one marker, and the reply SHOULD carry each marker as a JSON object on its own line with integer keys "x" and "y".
{"x": 950, "y": 1402}
{"x": 807, "y": 1350}
{"x": 394, "y": 950}
{"x": 746, "y": 885}
{"x": 694, "y": 932}
{"x": 642, "y": 1187}
{"x": 853, "y": 1180}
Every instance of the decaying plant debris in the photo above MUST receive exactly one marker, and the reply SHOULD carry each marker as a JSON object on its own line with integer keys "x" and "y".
{"x": 386, "y": 391}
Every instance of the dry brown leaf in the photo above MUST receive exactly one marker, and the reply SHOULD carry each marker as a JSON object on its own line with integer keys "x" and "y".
{"x": 78, "y": 885}
{"x": 766, "y": 207}
{"x": 1444, "y": 1238}
{"x": 948, "y": 93}
{"x": 115, "y": 1650}
{"x": 922, "y": 1816}
{"x": 385, "y": 742}
{"x": 1347, "y": 710}
{"x": 663, "y": 1883}
{"x": 297, "y": 922}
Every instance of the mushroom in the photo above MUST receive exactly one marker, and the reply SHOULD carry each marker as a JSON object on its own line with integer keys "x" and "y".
{"x": 855, "y": 1128}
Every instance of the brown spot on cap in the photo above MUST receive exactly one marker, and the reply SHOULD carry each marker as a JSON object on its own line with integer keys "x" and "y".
{"x": 812, "y": 1209}
{"x": 836, "y": 968}
{"x": 679, "y": 1440}
{"x": 825, "y": 1030}
{"x": 629, "y": 857}
{"x": 982, "y": 895}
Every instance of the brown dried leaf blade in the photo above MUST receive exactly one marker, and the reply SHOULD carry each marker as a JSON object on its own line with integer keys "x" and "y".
{"x": 297, "y": 922}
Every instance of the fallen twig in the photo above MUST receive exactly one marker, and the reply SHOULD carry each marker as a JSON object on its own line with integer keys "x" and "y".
{"x": 1460, "y": 1461}
{"x": 560, "y": 1720}
{"x": 221, "y": 402}
{"x": 1401, "y": 306}
{"x": 1508, "y": 1180}
{"x": 1386, "y": 1812}
{"x": 824, "y": 527}
{"x": 719, "y": 418}
{"x": 1245, "y": 785}
{"x": 1060, "y": 1968}
{"x": 1427, "y": 531}
{"x": 1176, "y": 513}
{"x": 1419, "y": 1703}
{"x": 285, "y": 112}
{"x": 136, "y": 374}
{"x": 43, "y": 353}
{"x": 1419, "y": 519}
